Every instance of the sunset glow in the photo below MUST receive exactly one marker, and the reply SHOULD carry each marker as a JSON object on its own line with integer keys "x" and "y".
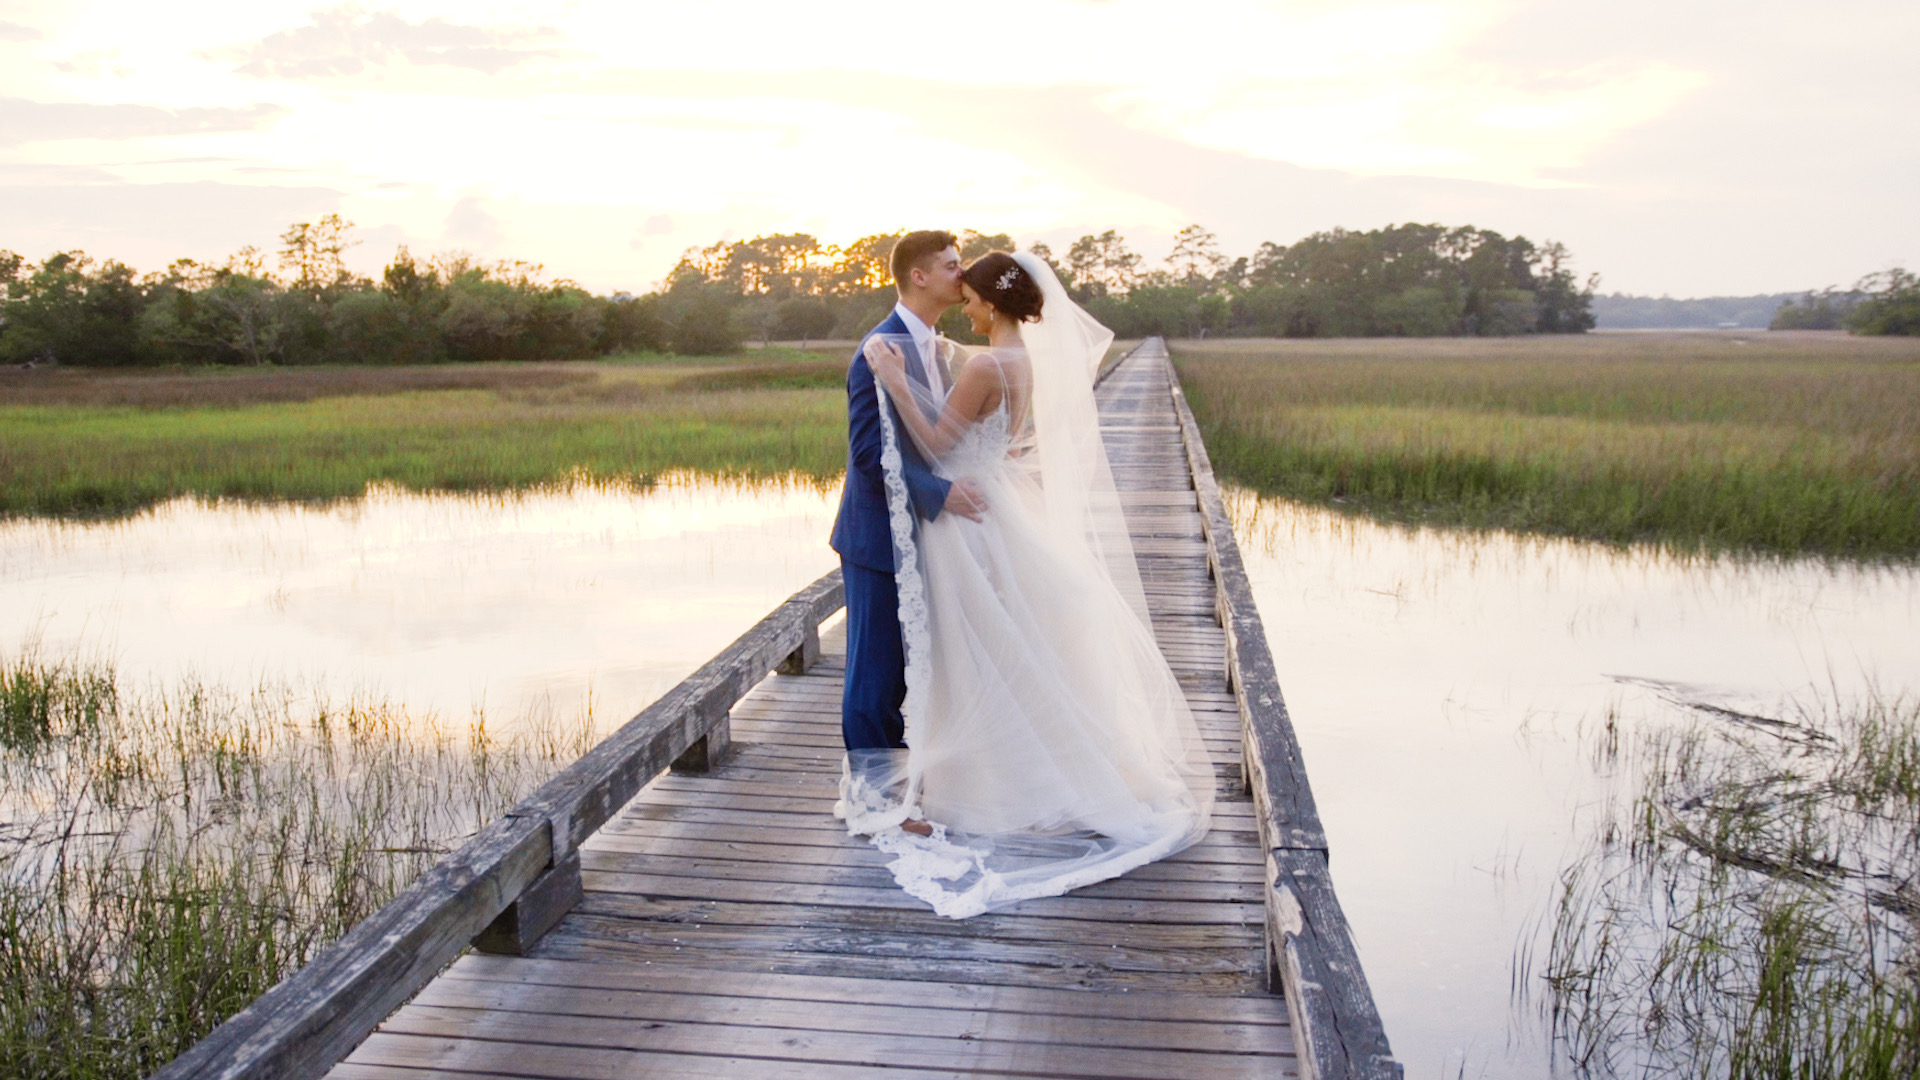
{"x": 604, "y": 139}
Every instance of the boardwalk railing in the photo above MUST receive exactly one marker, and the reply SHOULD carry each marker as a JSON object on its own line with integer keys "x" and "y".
{"x": 509, "y": 884}
{"x": 1310, "y": 951}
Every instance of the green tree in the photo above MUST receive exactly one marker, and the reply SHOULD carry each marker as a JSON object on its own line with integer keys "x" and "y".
{"x": 1892, "y": 305}
{"x": 700, "y": 319}
{"x": 632, "y": 323}
{"x": 70, "y": 311}
{"x": 975, "y": 244}
{"x": 231, "y": 314}
{"x": 1564, "y": 306}
{"x": 1196, "y": 259}
{"x": 314, "y": 252}
{"x": 1102, "y": 265}
{"x": 861, "y": 267}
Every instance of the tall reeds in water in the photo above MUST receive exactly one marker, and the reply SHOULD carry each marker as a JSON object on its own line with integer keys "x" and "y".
{"x": 168, "y": 854}
{"x": 1750, "y": 909}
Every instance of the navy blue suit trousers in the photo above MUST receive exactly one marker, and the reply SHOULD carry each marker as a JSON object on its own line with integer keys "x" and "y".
{"x": 876, "y": 681}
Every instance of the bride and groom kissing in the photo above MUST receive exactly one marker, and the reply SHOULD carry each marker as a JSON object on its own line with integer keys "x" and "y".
{"x": 1012, "y": 728}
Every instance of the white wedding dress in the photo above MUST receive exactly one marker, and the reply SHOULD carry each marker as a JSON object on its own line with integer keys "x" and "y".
{"x": 1048, "y": 741}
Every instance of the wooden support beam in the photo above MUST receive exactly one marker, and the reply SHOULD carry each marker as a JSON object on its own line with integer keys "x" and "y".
{"x": 708, "y": 751}
{"x": 804, "y": 657}
{"x": 542, "y": 904}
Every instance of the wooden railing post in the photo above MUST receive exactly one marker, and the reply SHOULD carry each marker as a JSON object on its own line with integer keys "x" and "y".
{"x": 537, "y": 909}
{"x": 804, "y": 657}
{"x": 707, "y": 751}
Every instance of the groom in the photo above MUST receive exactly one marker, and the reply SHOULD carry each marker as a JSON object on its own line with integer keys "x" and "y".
{"x": 926, "y": 272}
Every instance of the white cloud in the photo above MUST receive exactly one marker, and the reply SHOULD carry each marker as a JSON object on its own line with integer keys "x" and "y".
{"x": 23, "y": 121}
{"x": 348, "y": 39}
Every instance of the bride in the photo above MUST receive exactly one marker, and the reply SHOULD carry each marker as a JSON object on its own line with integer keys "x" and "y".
{"x": 1049, "y": 744}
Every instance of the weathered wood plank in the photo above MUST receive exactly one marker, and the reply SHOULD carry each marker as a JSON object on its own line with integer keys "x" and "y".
{"x": 688, "y": 1005}
{"x": 669, "y": 913}
{"x": 1174, "y": 869}
{"x": 1080, "y": 907}
{"x": 910, "y": 949}
{"x": 919, "y": 993}
{"x": 1052, "y": 1059}
{"x": 409, "y": 1056}
{"x": 1219, "y": 846}
{"x": 650, "y": 951}
{"x": 713, "y": 866}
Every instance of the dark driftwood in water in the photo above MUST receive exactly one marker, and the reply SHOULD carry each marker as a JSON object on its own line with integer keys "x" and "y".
{"x": 1311, "y": 955}
{"x": 312, "y": 1019}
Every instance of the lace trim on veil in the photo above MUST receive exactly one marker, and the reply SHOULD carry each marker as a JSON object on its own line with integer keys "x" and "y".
{"x": 875, "y": 806}
{"x": 872, "y": 805}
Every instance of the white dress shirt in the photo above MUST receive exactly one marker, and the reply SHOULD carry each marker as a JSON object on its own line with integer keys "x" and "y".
{"x": 923, "y": 340}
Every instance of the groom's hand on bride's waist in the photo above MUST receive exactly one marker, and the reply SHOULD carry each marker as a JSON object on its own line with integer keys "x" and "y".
{"x": 964, "y": 498}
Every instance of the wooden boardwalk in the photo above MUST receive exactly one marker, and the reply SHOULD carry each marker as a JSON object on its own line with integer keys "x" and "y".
{"x": 716, "y": 920}
{"x": 730, "y": 927}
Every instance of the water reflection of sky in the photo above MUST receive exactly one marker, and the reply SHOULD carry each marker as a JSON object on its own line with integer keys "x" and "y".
{"x": 1442, "y": 684}
{"x": 1441, "y": 681}
{"x": 445, "y": 602}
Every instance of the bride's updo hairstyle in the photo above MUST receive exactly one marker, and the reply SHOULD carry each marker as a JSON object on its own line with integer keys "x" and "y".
{"x": 1001, "y": 282}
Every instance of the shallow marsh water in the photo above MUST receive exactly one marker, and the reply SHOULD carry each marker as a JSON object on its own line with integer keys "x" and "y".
{"x": 449, "y": 604}
{"x": 1447, "y": 686}
{"x": 1449, "y": 689}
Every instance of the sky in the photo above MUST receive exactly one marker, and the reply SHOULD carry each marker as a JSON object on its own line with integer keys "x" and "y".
{"x": 1682, "y": 147}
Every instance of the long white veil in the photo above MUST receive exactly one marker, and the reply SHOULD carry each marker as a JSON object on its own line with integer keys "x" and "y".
{"x": 1049, "y": 742}
{"x": 1067, "y": 346}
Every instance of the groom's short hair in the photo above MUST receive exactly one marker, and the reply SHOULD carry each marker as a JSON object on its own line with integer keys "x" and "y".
{"x": 916, "y": 248}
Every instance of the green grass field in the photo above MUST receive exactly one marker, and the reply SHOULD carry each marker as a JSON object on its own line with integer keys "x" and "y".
{"x": 108, "y": 442}
{"x": 1784, "y": 443}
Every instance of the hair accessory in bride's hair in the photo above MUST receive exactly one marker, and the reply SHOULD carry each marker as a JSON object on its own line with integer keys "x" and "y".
{"x": 1007, "y": 279}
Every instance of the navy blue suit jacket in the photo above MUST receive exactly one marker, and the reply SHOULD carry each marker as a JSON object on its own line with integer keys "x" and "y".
{"x": 861, "y": 532}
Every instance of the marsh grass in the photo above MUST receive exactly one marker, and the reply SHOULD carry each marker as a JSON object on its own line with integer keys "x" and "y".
{"x": 167, "y": 854}
{"x": 1787, "y": 443}
{"x": 1749, "y": 908}
{"x": 77, "y": 443}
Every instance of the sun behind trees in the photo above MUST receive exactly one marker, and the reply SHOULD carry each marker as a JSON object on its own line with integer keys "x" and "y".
{"x": 1405, "y": 280}
{"x": 1401, "y": 281}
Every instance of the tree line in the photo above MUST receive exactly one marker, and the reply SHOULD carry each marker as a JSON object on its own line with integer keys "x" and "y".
{"x": 1884, "y": 303}
{"x": 1405, "y": 280}
{"x": 302, "y": 305}
{"x": 307, "y": 309}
